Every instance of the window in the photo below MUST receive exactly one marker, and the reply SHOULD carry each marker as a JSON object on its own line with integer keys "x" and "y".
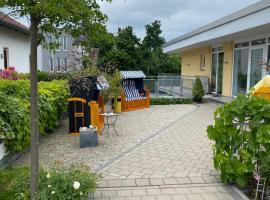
{"x": 50, "y": 39}
{"x": 65, "y": 43}
{"x": 65, "y": 63}
{"x": 58, "y": 64}
{"x": 202, "y": 63}
{"x": 241, "y": 45}
{"x": 59, "y": 44}
{"x": 51, "y": 64}
{"x": 258, "y": 42}
{"x": 240, "y": 71}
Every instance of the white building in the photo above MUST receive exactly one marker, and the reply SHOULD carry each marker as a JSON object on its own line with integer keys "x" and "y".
{"x": 14, "y": 44}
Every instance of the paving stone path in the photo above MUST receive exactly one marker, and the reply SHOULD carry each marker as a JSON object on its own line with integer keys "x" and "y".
{"x": 174, "y": 164}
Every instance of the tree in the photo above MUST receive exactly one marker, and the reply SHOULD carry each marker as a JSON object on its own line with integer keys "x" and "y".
{"x": 197, "y": 90}
{"x": 76, "y": 17}
{"x": 126, "y": 41}
{"x": 154, "y": 60}
{"x": 153, "y": 41}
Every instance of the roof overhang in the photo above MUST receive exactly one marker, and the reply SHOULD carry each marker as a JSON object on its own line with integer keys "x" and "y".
{"x": 250, "y": 24}
{"x": 15, "y": 28}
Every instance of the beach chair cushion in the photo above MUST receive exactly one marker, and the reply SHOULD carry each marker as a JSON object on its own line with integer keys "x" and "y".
{"x": 131, "y": 92}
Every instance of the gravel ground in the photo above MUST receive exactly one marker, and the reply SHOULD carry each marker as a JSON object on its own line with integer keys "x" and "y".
{"x": 132, "y": 127}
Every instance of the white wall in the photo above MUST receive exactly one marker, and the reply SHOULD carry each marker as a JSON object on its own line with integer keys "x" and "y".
{"x": 2, "y": 150}
{"x": 18, "y": 45}
{"x": 39, "y": 58}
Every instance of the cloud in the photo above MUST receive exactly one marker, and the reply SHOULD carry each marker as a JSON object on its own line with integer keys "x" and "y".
{"x": 177, "y": 16}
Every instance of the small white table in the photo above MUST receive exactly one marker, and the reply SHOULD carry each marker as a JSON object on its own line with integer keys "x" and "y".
{"x": 107, "y": 124}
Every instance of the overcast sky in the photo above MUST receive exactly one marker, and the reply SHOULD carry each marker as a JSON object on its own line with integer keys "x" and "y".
{"x": 177, "y": 16}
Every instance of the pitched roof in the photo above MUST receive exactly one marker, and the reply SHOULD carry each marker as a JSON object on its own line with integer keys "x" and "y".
{"x": 261, "y": 5}
{"x": 8, "y": 22}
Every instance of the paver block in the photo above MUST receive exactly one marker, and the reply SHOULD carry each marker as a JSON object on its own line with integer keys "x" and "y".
{"x": 114, "y": 183}
{"x": 197, "y": 180}
{"x": 139, "y": 192}
{"x": 164, "y": 197}
{"x": 124, "y": 193}
{"x": 156, "y": 181}
{"x": 168, "y": 191}
{"x": 182, "y": 191}
{"x": 179, "y": 197}
{"x": 194, "y": 197}
{"x": 148, "y": 198}
{"x": 128, "y": 183}
{"x": 209, "y": 196}
{"x": 142, "y": 182}
{"x": 170, "y": 181}
{"x": 108, "y": 193}
{"x": 183, "y": 181}
{"x": 153, "y": 191}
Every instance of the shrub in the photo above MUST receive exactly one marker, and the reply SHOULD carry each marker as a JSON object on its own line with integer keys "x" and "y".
{"x": 168, "y": 101}
{"x": 15, "y": 106}
{"x": 43, "y": 76}
{"x": 197, "y": 91}
{"x": 10, "y": 74}
{"x": 242, "y": 139}
{"x": 57, "y": 183}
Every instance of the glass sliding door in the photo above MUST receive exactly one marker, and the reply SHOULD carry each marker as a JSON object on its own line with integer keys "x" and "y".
{"x": 214, "y": 72}
{"x": 256, "y": 56}
{"x": 220, "y": 72}
{"x": 217, "y": 72}
{"x": 240, "y": 71}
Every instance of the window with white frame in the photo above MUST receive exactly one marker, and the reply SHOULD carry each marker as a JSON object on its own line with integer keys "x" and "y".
{"x": 59, "y": 44}
{"x": 65, "y": 43}
{"x": 58, "y": 64}
{"x": 65, "y": 62}
{"x": 51, "y": 64}
{"x": 50, "y": 39}
{"x": 202, "y": 62}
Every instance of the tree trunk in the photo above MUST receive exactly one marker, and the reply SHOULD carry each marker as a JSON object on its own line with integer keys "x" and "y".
{"x": 34, "y": 108}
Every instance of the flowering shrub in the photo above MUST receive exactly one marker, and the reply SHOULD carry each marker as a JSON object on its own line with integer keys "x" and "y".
{"x": 57, "y": 183}
{"x": 10, "y": 74}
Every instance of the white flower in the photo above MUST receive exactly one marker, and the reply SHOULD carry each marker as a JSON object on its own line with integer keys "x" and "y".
{"x": 81, "y": 193}
{"x": 53, "y": 192}
{"x": 76, "y": 185}
{"x": 48, "y": 175}
{"x": 49, "y": 186}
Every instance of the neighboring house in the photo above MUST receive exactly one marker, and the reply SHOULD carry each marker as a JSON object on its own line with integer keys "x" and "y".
{"x": 59, "y": 59}
{"x": 14, "y": 44}
{"x": 228, "y": 51}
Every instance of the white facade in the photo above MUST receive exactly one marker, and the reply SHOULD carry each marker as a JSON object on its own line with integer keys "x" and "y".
{"x": 2, "y": 150}
{"x": 18, "y": 45}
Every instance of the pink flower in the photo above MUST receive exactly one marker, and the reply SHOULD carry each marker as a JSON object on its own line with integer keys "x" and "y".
{"x": 257, "y": 177}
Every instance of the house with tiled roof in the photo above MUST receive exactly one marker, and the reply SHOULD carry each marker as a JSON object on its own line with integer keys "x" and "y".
{"x": 14, "y": 44}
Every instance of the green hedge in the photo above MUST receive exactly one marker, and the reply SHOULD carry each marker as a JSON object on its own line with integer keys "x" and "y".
{"x": 168, "y": 101}
{"x": 15, "y": 106}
